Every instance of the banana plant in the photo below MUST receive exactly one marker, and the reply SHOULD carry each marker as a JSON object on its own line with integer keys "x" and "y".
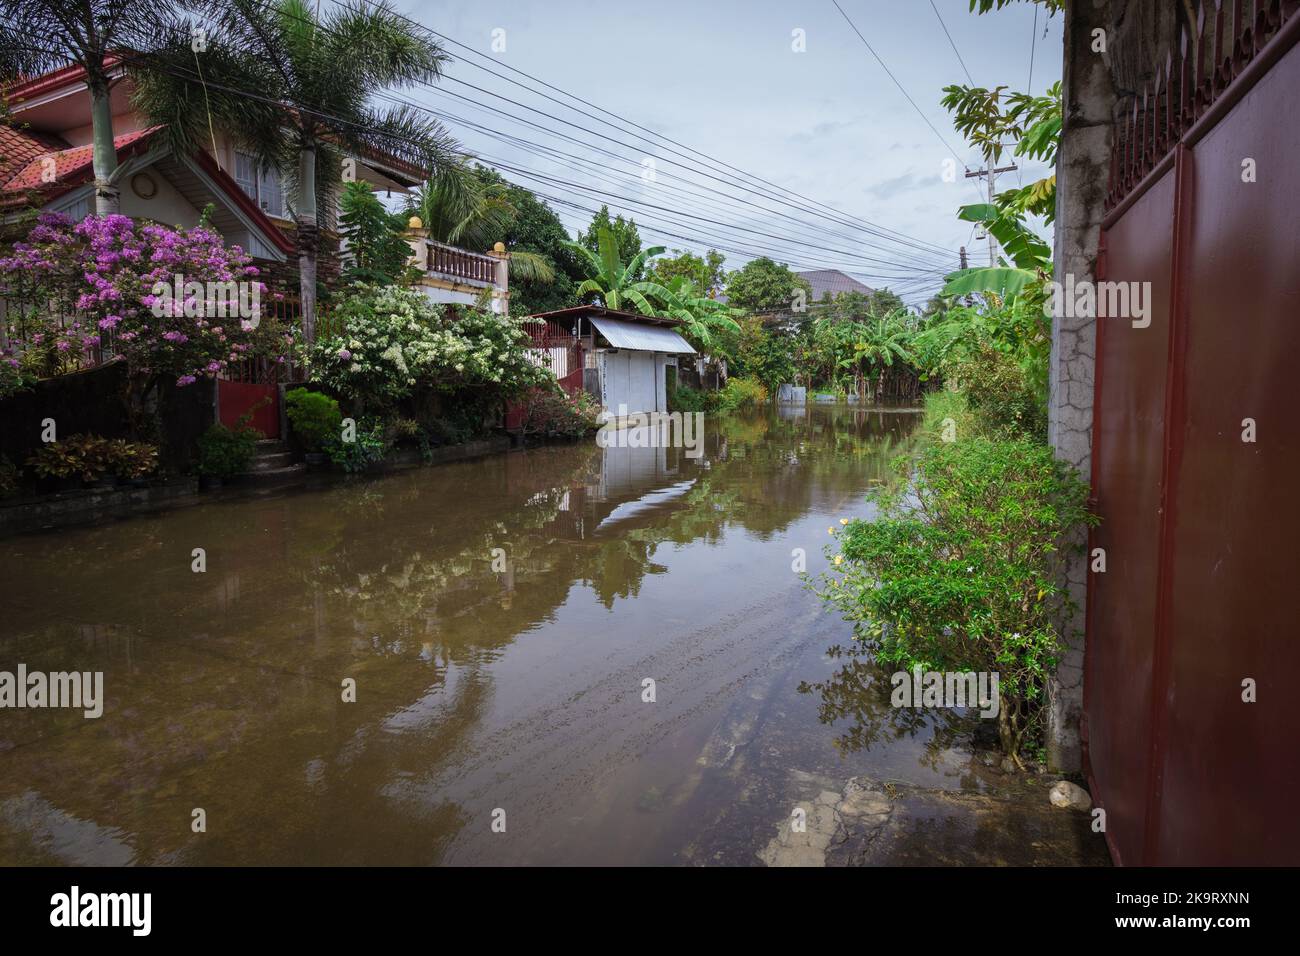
{"x": 1030, "y": 257}
{"x": 611, "y": 279}
{"x": 701, "y": 317}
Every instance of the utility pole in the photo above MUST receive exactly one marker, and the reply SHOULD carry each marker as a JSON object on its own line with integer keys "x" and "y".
{"x": 965, "y": 264}
{"x": 992, "y": 174}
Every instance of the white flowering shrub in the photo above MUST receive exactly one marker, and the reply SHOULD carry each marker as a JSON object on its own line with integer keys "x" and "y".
{"x": 394, "y": 342}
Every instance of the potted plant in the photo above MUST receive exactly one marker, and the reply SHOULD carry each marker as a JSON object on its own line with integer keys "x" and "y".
{"x": 316, "y": 422}
{"x": 226, "y": 452}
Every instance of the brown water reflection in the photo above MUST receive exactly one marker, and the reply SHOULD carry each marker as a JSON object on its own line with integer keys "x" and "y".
{"x": 477, "y": 689}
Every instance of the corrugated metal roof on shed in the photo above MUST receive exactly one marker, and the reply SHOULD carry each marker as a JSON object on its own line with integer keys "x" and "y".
{"x": 641, "y": 338}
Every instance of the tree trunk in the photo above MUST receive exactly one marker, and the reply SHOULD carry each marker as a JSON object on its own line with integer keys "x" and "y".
{"x": 308, "y": 242}
{"x": 104, "y": 157}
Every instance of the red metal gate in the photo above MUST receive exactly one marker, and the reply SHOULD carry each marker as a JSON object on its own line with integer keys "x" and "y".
{"x": 1200, "y": 526}
{"x": 557, "y": 350}
{"x": 236, "y": 399}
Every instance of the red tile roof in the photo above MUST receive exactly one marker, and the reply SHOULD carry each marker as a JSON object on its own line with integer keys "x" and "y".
{"x": 69, "y": 162}
{"x": 19, "y": 147}
{"x": 73, "y": 166}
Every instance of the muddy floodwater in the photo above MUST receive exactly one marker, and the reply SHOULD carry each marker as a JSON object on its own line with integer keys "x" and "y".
{"x": 495, "y": 686}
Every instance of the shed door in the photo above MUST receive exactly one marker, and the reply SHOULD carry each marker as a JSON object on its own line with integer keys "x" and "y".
{"x": 641, "y": 382}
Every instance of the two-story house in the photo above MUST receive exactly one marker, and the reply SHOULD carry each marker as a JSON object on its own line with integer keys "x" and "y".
{"x": 45, "y": 161}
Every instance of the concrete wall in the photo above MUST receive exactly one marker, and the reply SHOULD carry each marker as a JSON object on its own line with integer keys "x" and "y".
{"x": 1082, "y": 169}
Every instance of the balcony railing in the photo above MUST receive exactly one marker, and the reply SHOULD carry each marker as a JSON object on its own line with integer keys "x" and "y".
{"x": 461, "y": 264}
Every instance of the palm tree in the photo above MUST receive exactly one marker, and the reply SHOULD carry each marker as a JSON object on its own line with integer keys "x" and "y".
{"x": 611, "y": 279}
{"x": 293, "y": 87}
{"x": 43, "y": 35}
{"x": 460, "y": 209}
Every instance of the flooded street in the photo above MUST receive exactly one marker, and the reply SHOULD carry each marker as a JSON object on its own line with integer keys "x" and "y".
{"x": 478, "y": 689}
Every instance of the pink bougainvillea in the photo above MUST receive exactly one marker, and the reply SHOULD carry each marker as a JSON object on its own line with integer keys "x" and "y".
{"x": 122, "y": 276}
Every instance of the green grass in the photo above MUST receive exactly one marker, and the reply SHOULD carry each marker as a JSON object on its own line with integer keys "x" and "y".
{"x": 943, "y": 405}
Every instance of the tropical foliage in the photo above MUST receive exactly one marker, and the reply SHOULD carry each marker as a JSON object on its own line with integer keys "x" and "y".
{"x": 315, "y": 73}
{"x": 376, "y": 247}
{"x": 461, "y": 206}
{"x": 395, "y": 342}
{"x": 959, "y": 571}
{"x": 613, "y": 281}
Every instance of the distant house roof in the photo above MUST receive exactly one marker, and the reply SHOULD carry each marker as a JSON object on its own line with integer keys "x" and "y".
{"x": 832, "y": 282}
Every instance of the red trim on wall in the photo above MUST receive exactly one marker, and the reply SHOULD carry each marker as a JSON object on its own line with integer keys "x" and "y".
{"x": 1175, "y": 414}
{"x": 1089, "y": 634}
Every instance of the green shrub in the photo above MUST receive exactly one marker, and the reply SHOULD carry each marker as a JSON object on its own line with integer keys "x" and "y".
{"x": 132, "y": 459}
{"x": 87, "y": 456}
{"x": 737, "y": 393}
{"x": 1002, "y": 395}
{"x": 959, "y": 571}
{"x": 91, "y": 458}
{"x": 553, "y": 414}
{"x": 315, "y": 417}
{"x": 9, "y": 477}
{"x": 405, "y": 428}
{"x": 368, "y": 447}
{"x": 226, "y": 452}
{"x": 948, "y": 417}
{"x": 13, "y": 377}
{"x": 743, "y": 393}
{"x": 683, "y": 398}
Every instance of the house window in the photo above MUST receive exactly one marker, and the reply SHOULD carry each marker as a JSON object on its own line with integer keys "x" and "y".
{"x": 262, "y": 185}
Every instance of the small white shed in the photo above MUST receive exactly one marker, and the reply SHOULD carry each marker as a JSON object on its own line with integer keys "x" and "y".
{"x": 632, "y": 369}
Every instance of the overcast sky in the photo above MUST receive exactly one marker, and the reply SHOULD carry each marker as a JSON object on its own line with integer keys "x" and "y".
{"x": 722, "y": 77}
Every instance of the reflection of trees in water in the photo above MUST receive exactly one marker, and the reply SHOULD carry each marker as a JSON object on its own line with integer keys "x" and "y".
{"x": 233, "y": 675}
{"x": 559, "y": 519}
{"x": 858, "y": 695}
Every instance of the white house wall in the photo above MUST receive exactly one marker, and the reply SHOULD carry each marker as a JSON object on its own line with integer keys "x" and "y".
{"x": 167, "y": 206}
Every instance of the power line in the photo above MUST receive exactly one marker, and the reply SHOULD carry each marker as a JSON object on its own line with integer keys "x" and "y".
{"x": 496, "y": 134}
{"x": 914, "y": 275}
{"x": 954, "y": 45}
{"x": 637, "y": 126}
{"x": 919, "y": 275}
{"x": 1033, "y": 40}
{"x": 906, "y": 95}
{"x": 920, "y": 244}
